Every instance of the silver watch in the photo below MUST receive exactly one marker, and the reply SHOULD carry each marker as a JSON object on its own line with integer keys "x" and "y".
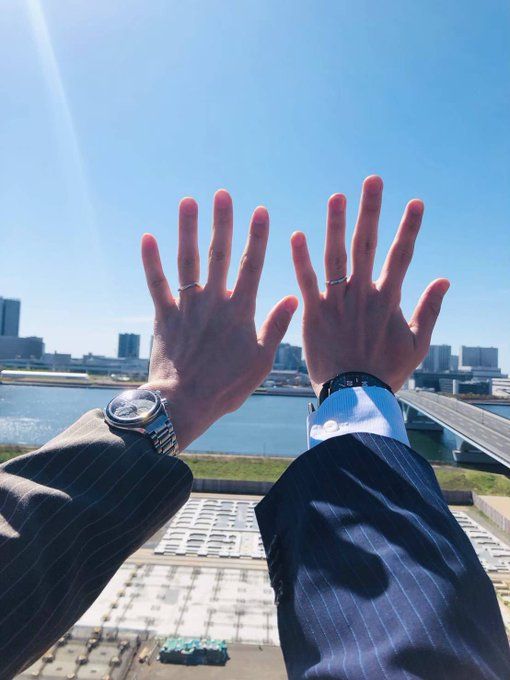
{"x": 143, "y": 411}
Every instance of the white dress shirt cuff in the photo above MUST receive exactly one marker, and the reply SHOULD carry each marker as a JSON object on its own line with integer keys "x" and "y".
{"x": 357, "y": 409}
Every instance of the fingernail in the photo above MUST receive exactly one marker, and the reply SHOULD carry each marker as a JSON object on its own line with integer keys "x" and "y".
{"x": 373, "y": 184}
{"x": 337, "y": 202}
{"x": 298, "y": 239}
{"x": 222, "y": 199}
{"x": 260, "y": 215}
{"x": 291, "y": 304}
{"x": 188, "y": 205}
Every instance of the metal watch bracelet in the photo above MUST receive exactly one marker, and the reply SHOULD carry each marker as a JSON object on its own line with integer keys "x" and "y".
{"x": 164, "y": 439}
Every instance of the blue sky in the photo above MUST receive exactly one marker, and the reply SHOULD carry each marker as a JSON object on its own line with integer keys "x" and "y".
{"x": 112, "y": 111}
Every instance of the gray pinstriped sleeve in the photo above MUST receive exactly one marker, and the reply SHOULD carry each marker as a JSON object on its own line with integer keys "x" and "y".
{"x": 70, "y": 514}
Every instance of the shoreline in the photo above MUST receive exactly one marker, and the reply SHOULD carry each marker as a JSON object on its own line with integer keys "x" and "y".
{"x": 286, "y": 391}
{"x": 108, "y": 385}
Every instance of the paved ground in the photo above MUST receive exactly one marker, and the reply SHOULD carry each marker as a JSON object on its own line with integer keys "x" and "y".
{"x": 501, "y": 504}
{"x": 219, "y": 596}
{"x": 493, "y": 553}
{"x": 85, "y": 657}
{"x": 213, "y": 527}
{"x": 227, "y": 603}
{"x": 247, "y": 662}
{"x": 147, "y": 556}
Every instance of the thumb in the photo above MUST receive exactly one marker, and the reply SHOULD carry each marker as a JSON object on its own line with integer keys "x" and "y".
{"x": 425, "y": 315}
{"x": 277, "y": 321}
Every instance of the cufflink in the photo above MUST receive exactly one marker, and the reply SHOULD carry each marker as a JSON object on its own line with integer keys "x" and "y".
{"x": 331, "y": 426}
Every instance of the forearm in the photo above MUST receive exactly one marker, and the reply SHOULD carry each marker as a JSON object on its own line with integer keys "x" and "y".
{"x": 372, "y": 574}
{"x": 72, "y": 512}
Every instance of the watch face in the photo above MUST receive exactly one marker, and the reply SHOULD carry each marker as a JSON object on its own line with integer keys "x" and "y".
{"x": 133, "y": 406}
{"x": 350, "y": 380}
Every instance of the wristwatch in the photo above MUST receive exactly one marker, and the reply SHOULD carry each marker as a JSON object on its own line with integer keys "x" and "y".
{"x": 145, "y": 412}
{"x": 350, "y": 379}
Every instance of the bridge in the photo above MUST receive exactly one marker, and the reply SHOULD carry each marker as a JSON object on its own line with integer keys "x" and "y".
{"x": 478, "y": 430}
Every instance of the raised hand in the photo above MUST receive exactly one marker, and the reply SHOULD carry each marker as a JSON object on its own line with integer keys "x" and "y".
{"x": 207, "y": 357}
{"x": 357, "y": 324}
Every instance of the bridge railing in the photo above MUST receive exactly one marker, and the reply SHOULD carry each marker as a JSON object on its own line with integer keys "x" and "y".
{"x": 492, "y": 420}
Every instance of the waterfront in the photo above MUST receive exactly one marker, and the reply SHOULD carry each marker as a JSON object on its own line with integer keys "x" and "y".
{"x": 264, "y": 425}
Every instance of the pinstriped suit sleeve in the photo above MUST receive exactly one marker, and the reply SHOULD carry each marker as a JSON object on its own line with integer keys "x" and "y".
{"x": 373, "y": 577}
{"x": 70, "y": 514}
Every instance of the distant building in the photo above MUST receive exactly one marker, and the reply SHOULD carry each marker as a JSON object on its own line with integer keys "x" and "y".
{"x": 57, "y": 361}
{"x": 438, "y": 359}
{"x": 21, "y": 348}
{"x": 446, "y": 385}
{"x": 478, "y": 357}
{"x": 9, "y": 317}
{"x": 282, "y": 377}
{"x": 288, "y": 357}
{"x": 439, "y": 381}
{"x": 472, "y": 387}
{"x": 129, "y": 346}
{"x": 454, "y": 362}
{"x": 97, "y": 364}
{"x": 501, "y": 387}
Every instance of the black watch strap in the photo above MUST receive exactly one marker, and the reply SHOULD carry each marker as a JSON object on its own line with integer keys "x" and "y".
{"x": 350, "y": 379}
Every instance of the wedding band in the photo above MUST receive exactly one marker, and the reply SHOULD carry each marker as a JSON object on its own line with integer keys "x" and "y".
{"x": 189, "y": 285}
{"x": 334, "y": 282}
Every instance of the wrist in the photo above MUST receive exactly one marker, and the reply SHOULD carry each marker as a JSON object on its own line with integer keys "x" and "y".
{"x": 351, "y": 379}
{"x": 189, "y": 419}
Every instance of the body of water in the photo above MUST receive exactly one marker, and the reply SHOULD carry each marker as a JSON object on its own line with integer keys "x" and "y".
{"x": 264, "y": 425}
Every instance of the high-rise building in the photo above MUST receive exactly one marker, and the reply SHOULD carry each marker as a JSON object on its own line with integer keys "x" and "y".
{"x": 438, "y": 359}
{"x": 9, "y": 317}
{"x": 288, "y": 357}
{"x": 21, "y": 348}
{"x": 478, "y": 357}
{"x": 129, "y": 346}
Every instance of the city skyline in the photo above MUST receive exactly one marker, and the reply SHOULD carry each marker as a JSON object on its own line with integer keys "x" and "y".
{"x": 113, "y": 112}
{"x": 438, "y": 359}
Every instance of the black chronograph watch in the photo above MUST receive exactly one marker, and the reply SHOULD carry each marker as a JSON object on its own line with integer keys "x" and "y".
{"x": 145, "y": 412}
{"x": 350, "y": 379}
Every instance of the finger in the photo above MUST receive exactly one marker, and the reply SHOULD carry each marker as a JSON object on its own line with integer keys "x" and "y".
{"x": 276, "y": 324}
{"x": 364, "y": 241}
{"x": 335, "y": 255}
{"x": 425, "y": 315}
{"x": 188, "y": 258}
{"x": 252, "y": 260}
{"x": 401, "y": 252}
{"x": 305, "y": 273}
{"x": 221, "y": 242}
{"x": 156, "y": 279}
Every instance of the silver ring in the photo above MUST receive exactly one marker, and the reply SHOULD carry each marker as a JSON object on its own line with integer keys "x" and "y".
{"x": 334, "y": 282}
{"x": 189, "y": 285}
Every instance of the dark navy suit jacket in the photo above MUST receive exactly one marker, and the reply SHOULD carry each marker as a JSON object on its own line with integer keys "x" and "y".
{"x": 373, "y": 576}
